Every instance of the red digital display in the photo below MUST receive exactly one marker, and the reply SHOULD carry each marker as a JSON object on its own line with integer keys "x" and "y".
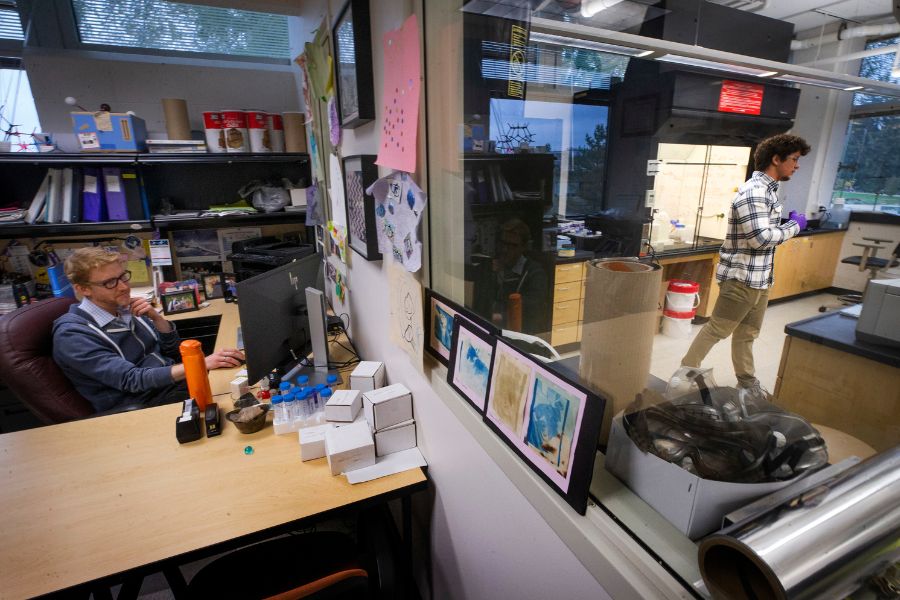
{"x": 741, "y": 97}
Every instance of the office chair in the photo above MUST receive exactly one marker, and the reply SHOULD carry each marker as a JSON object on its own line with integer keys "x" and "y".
{"x": 320, "y": 565}
{"x": 27, "y": 366}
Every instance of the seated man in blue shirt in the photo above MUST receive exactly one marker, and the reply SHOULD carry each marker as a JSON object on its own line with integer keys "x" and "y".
{"x": 119, "y": 350}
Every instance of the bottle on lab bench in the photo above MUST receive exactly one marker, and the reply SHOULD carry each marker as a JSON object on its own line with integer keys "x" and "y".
{"x": 195, "y": 372}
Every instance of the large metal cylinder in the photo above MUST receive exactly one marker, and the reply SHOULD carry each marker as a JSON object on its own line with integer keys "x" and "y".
{"x": 819, "y": 544}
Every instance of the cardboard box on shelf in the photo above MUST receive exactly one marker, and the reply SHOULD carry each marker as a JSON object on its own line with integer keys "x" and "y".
{"x": 395, "y": 438}
{"x": 109, "y": 132}
{"x": 387, "y": 406}
{"x": 695, "y": 506}
{"x": 368, "y": 375}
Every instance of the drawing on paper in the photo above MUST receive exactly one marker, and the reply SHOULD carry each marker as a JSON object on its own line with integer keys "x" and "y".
{"x": 473, "y": 366}
{"x": 551, "y": 423}
{"x": 508, "y": 392}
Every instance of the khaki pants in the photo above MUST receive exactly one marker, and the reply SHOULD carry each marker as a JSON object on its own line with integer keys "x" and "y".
{"x": 739, "y": 313}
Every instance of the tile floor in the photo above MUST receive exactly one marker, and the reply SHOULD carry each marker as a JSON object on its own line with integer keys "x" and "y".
{"x": 667, "y": 351}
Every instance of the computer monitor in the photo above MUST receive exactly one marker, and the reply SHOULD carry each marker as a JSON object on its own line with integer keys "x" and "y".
{"x": 274, "y": 317}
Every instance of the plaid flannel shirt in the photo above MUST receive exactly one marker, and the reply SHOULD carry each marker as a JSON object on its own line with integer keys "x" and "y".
{"x": 754, "y": 230}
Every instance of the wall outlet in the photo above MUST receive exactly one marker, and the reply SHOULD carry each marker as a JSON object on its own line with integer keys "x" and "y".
{"x": 650, "y": 199}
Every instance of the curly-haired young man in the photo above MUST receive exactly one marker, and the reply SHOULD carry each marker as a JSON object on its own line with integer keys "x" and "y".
{"x": 747, "y": 257}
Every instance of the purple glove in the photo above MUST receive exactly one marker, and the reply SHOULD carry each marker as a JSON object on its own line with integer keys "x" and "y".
{"x": 799, "y": 218}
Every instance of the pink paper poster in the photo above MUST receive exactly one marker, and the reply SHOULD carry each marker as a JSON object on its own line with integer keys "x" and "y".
{"x": 400, "y": 111}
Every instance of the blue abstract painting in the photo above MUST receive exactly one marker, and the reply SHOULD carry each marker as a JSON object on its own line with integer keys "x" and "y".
{"x": 551, "y": 423}
{"x": 473, "y": 366}
{"x": 442, "y": 329}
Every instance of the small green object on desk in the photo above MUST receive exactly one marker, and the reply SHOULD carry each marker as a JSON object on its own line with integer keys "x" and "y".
{"x": 248, "y": 450}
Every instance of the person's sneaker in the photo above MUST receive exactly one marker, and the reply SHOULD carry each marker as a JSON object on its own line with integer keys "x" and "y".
{"x": 755, "y": 393}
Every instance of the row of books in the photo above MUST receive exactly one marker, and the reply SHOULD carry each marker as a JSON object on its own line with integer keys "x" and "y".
{"x": 89, "y": 194}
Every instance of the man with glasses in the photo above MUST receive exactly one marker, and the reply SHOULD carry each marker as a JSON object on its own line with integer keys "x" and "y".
{"x": 118, "y": 350}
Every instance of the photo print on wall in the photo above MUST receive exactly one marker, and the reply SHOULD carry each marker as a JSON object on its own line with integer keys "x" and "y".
{"x": 440, "y": 313}
{"x": 552, "y": 423}
{"x": 470, "y": 362}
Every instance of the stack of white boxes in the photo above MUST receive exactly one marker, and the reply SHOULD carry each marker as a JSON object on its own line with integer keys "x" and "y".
{"x": 389, "y": 414}
{"x": 341, "y": 410}
{"x": 364, "y": 422}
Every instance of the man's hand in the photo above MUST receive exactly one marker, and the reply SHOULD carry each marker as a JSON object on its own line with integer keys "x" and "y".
{"x": 140, "y": 308}
{"x": 224, "y": 359}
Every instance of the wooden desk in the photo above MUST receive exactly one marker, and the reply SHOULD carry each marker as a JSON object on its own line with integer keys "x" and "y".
{"x": 98, "y": 498}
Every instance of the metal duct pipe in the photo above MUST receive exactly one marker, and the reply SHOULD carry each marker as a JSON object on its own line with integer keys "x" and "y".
{"x": 819, "y": 544}
{"x": 847, "y": 34}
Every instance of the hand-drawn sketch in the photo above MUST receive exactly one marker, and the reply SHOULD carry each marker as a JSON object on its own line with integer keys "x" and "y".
{"x": 406, "y": 324}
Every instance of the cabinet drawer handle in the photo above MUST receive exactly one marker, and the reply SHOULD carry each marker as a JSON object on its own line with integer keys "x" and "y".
{"x": 562, "y": 289}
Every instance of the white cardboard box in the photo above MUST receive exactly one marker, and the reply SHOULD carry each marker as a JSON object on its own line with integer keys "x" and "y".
{"x": 387, "y": 406}
{"x": 312, "y": 441}
{"x": 239, "y": 387}
{"x": 694, "y": 505}
{"x": 395, "y": 438}
{"x": 343, "y": 406}
{"x": 368, "y": 375}
{"x": 349, "y": 447}
{"x": 298, "y": 197}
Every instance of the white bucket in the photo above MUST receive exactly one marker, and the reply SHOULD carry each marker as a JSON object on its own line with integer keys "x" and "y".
{"x": 676, "y": 328}
{"x": 680, "y": 302}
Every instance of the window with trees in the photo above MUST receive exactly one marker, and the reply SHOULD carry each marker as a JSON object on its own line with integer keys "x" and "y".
{"x": 868, "y": 176}
{"x": 163, "y": 25}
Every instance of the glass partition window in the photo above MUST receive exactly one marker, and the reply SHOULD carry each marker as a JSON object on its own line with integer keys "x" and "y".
{"x": 549, "y": 148}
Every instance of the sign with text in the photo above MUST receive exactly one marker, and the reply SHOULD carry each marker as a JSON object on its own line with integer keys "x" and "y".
{"x": 741, "y": 97}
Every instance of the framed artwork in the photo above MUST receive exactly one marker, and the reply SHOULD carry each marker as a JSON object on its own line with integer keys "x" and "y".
{"x": 353, "y": 78}
{"x": 359, "y": 173}
{"x": 179, "y": 302}
{"x": 212, "y": 286}
{"x": 440, "y": 313}
{"x": 470, "y": 362}
{"x": 552, "y": 423}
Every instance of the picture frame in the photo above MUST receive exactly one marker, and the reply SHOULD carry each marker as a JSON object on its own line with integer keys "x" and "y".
{"x": 471, "y": 361}
{"x": 552, "y": 423}
{"x": 179, "y": 302}
{"x": 353, "y": 79}
{"x": 360, "y": 172}
{"x": 212, "y": 286}
{"x": 440, "y": 312}
{"x": 229, "y": 287}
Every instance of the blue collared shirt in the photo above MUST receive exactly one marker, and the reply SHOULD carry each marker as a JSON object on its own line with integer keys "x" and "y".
{"x": 102, "y": 317}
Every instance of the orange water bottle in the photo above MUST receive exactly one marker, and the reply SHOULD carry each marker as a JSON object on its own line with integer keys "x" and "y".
{"x": 196, "y": 373}
{"x": 514, "y": 312}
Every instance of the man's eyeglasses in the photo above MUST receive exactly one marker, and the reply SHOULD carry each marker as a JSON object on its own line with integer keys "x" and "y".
{"x": 112, "y": 282}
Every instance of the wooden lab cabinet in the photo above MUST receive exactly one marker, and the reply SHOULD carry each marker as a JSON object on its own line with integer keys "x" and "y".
{"x": 568, "y": 304}
{"x": 806, "y": 264}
